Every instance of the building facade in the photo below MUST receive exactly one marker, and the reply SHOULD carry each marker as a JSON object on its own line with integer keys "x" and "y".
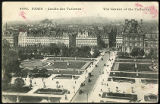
{"x": 84, "y": 39}
{"x": 119, "y": 42}
{"x": 151, "y": 42}
{"x": 24, "y": 40}
{"x": 133, "y": 36}
{"x": 10, "y": 39}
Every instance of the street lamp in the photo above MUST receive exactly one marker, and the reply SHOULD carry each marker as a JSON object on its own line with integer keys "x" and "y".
{"x": 91, "y": 52}
{"x": 136, "y": 67}
{"x": 87, "y": 97}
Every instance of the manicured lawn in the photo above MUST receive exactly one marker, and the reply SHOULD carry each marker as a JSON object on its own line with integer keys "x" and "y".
{"x": 33, "y": 63}
{"x": 124, "y": 80}
{"x": 28, "y": 99}
{"x": 119, "y": 96}
{"x": 137, "y": 60}
{"x": 63, "y": 65}
{"x": 64, "y": 72}
{"x": 134, "y": 75}
{"x": 51, "y": 91}
{"x": 126, "y": 67}
{"x": 40, "y": 75}
{"x": 121, "y": 74}
{"x": 150, "y": 81}
{"x": 66, "y": 77}
{"x": 70, "y": 58}
{"x": 151, "y": 76}
{"x": 31, "y": 99}
{"x": 131, "y": 67}
{"x": 21, "y": 90}
{"x": 144, "y": 67}
{"x": 10, "y": 99}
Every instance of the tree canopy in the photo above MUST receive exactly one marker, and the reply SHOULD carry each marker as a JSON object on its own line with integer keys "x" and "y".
{"x": 137, "y": 52}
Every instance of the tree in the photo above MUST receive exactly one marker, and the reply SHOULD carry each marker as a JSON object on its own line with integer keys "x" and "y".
{"x": 137, "y": 52}
{"x": 141, "y": 52}
{"x": 61, "y": 48}
{"x": 134, "y": 52}
{"x": 54, "y": 49}
{"x": 35, "y": 70}
{"x": 65, "y": 51}
{"x": 10, "y": 63}
{"x": 72, "y": 51}
{"x": 25, "y": 72}
{"x": 96, "y": 52}
{"x": 43, "y": 71}
{"x": 153, "y": 53}
{"x": 19, "y": 83}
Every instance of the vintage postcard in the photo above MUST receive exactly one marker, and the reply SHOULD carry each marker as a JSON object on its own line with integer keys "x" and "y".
{"x": 80, "y": 52}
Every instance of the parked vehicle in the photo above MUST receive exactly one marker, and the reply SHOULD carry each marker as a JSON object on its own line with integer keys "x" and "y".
{"x": 80, "y": 91}
{"x": 89, "y": 80}
{"x": 82, "y": 84}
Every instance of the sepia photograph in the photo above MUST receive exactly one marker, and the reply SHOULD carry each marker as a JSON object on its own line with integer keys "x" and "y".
{"x": 80, "y": 52}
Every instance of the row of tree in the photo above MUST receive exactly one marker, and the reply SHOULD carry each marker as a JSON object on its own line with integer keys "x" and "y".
{"x": 10, "y": 63}
{"x": 36, "y": 51}
{"x": 139, "y": 53}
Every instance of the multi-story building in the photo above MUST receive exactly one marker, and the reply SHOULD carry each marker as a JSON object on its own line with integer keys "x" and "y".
{"x": 84, "y": 39}
{"x": 106, "y": 40}
{"x": 119, "y": 42}
{"x": 24, "y": 40}
{"x": 133, "y": 35}
{"x": 10, "y": 39}
{"x": 151, "y": 41}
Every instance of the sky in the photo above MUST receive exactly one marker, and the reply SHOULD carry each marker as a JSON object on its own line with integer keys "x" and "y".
{"x": 11, "y": 10}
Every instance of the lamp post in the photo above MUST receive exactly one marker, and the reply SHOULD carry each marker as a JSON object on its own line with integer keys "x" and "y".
{"x": 87, "y": 97}
{"x": 91, "y": 52}
{"x": 136, "y": 67}
{"x": 17, "y": 99}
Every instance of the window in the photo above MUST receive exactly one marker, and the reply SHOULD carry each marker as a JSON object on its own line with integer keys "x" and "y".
{"x": 130, "y": 44}
{"x": 135, "y": 44}
{"x": 140, "y": 44}
{"x": 146, "y": 44}
{"x": 135, "y": 38}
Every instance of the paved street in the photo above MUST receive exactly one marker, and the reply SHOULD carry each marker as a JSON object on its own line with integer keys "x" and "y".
{"x": 89, "y": 86}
